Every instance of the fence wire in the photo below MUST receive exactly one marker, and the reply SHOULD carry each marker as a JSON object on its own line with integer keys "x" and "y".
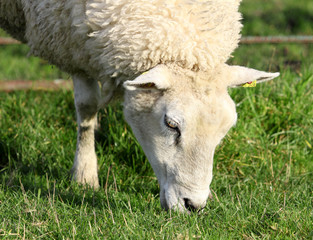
{"x": 276, "y": 39}
{"x": 244, "y": 40}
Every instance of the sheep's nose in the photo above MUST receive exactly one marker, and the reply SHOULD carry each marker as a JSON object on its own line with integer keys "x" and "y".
{"x": 192, "y": 207}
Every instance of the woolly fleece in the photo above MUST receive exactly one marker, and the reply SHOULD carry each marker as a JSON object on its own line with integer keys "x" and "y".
{"x": 122, "y": 38}
{"x": 12, "y": 18}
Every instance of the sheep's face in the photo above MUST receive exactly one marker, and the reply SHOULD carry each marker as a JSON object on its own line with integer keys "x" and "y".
{"x": 179, "y": 120}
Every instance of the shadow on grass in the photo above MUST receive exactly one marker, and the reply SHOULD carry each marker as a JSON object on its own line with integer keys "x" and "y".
{"x": 49, "y": 178}
{"x": 8, "y": 156}
{"x": 35, "y": 188}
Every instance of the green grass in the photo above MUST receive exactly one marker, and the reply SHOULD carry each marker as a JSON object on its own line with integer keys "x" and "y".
{"x": 263, "y": 169}
{"x": 15, "y": 65}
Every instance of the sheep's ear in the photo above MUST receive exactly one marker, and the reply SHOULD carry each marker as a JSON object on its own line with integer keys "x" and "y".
{"x": 247, "y": 77}
{"x": 156, "y": 78}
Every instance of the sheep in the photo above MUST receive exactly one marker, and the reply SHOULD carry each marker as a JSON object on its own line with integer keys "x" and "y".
{"x": 168, "y": 60}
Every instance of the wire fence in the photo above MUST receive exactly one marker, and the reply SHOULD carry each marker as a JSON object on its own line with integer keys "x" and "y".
{"x": 8, "y": 41}
{"x": 39, "y": 85}
{"x": 277, "y": 39}
{"x": 65, "y": 84}
{"x": 244, "y": 40}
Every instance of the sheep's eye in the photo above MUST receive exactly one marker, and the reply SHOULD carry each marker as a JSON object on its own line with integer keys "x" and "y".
{"x": 172, "y": 124}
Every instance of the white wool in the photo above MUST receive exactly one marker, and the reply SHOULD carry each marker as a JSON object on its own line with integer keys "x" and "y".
{"x": 122, "y": 38}
{"x": 131, "y": 36}
{"x": 12, "y": 18}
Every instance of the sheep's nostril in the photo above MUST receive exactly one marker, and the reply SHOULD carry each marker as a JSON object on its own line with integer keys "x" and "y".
{"x": 189, "y": 206}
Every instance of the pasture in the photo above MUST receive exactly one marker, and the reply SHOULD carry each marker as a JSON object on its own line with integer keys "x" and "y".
{"x": 263, "y": 169}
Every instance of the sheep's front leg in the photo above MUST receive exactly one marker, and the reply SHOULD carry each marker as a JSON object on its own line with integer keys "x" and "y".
{"x": 87, "y": 97}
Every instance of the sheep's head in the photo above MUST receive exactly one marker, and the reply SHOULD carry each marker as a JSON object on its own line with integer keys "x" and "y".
{"x": 179, "y": 118}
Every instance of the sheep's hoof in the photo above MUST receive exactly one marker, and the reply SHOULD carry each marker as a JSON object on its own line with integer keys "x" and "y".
{"x": 85, "y": 180}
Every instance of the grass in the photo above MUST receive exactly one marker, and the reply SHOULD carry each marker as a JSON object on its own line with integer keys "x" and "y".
{"x": 15, "y": 65}
{"x": 263, "y": 170}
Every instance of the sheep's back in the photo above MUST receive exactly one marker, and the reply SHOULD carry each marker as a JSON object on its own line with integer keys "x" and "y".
{"x": 55, "y": 31}
{"x": 122, "y": 38}
{"x": 132, "y": 36}
{"x": 12, "y": 18}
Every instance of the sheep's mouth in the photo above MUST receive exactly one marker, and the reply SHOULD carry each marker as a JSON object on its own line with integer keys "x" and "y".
{"x": 190, "y": 208}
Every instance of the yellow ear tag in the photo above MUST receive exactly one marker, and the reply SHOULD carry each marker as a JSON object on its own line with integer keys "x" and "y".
{"x": 249, "y": 84}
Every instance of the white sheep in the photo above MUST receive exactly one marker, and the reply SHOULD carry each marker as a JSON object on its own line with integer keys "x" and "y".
{"x": 174, "y": 51}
